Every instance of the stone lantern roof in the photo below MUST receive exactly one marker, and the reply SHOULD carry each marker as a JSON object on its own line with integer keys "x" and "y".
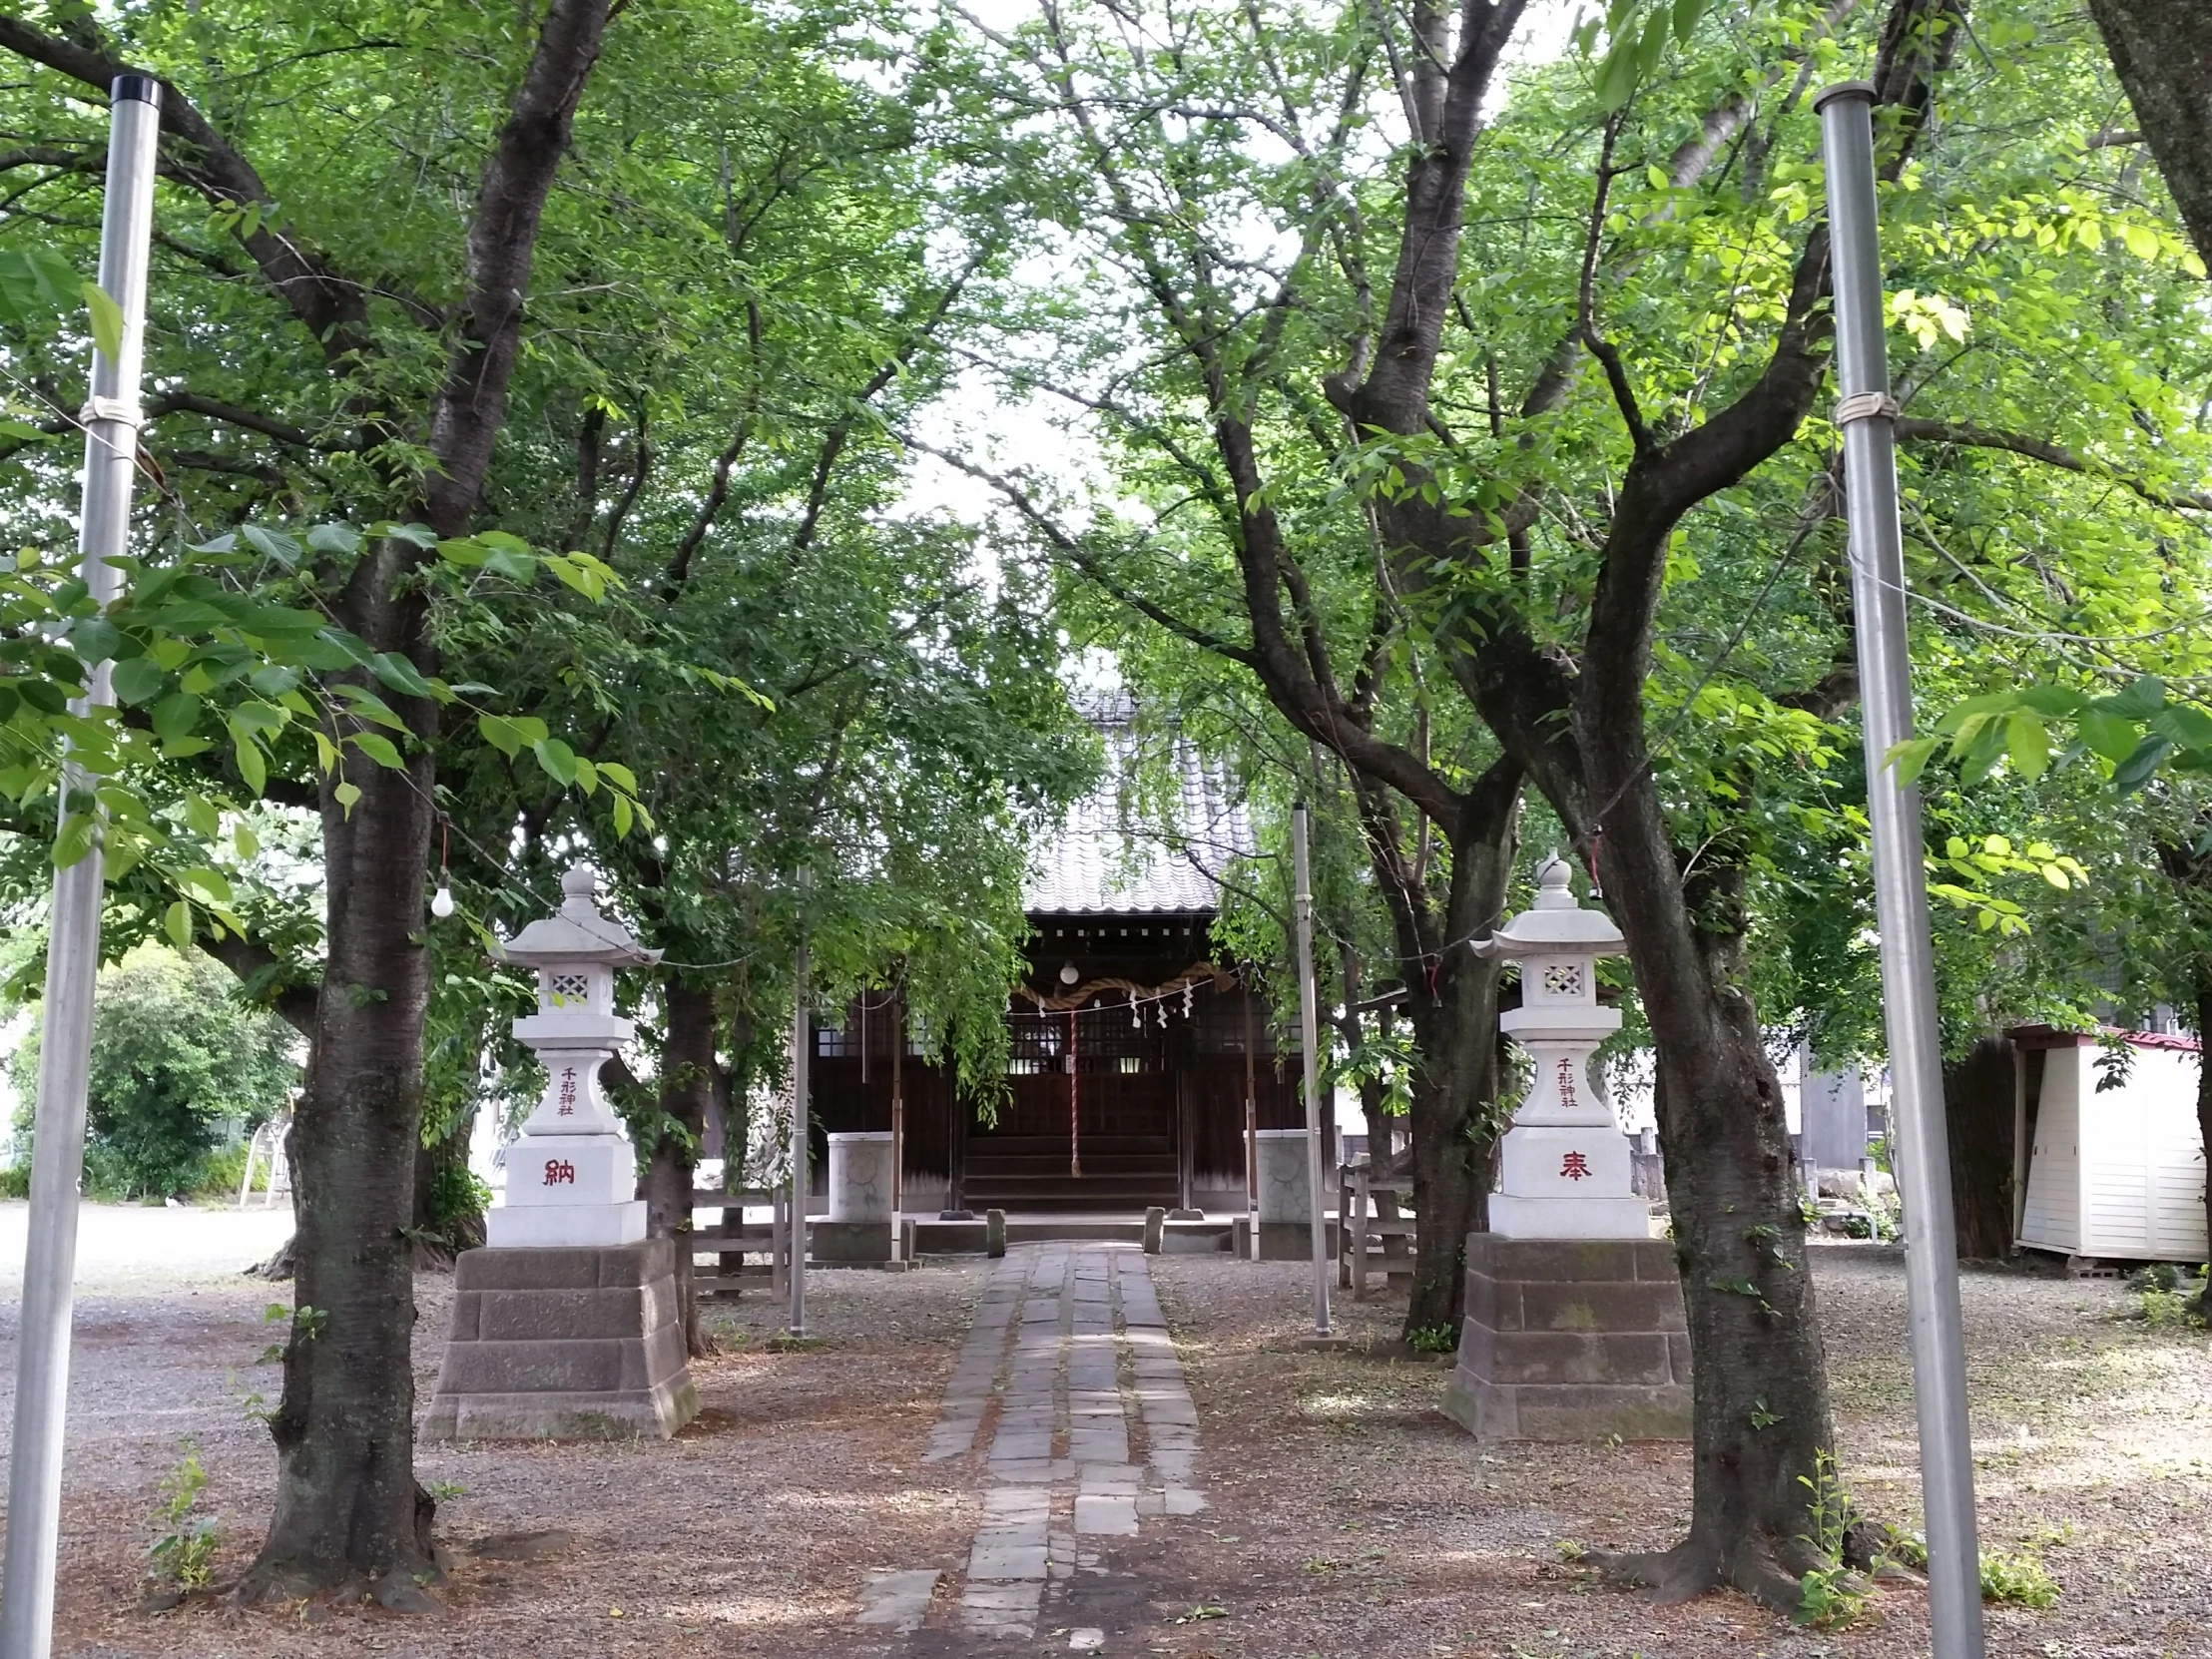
{"x": 1556, "y": 924}
{"x": 576, "y": 932}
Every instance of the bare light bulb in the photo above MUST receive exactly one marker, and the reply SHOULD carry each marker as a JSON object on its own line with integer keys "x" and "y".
{"x": 441, "y": 904}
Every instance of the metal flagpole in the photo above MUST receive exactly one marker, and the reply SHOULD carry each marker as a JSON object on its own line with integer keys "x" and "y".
{"x": 1308, "y": 1019}
{"x": 1866, "y": 414}
{"x": 803, "y": 1046}
{"x": 111, "y": 421}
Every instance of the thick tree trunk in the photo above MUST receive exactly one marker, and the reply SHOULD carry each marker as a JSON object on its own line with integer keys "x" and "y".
{"x": 1452, "y": 1116}
{"x": 2162, "y": 50}
{"x": 1761, "y": 1413}
{"x": 1978, "y": 1110}
{"x": 687, "y": 1086}
{"x": 348, "y": 1514}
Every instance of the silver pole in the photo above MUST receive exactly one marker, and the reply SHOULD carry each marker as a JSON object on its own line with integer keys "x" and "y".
{"x": 802, "y": 1043}
{"x": 111, "y": 421}
{"x": 1308, "y": 1019}
{"x": 1901, "y": 894}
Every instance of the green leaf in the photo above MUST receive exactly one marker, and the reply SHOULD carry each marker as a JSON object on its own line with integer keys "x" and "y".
{"x": 201, "y": 816}
{"x": 2188, "y": 725}
{"x": 1910, "y": 758}
{"x": 501, "y": 732}
{"x": 251, "y": 765}
{"x": 620, "y": 776}
{"x": 1686, "y": 15}
{"x": 2108, "y": 735}
{"x": 379, "y": 748}
{"x": 75, "y": 841}
{"x": 2054, "y": 699}
{"x": 399, "y": 674}
{"x": 519, "y": 568}
{"x": 1616, "y": 77}
{"x": 346, "y": 794}
{"x": 136, "y": 680}
{"x": 2134, "y": 772}
{"x": 556, "y": 758}
{"x": 2139, "y": 702}
{"x": 95, "y": 638}
{"x": 176, "y": 923}
{"x": 2028, "y": 746}
{"x": 107, "y": 320}
{"x": 211, "y": 883}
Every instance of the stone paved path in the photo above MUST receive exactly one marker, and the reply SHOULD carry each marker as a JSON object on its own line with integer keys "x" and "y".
{"x": 1091, "y": 1432}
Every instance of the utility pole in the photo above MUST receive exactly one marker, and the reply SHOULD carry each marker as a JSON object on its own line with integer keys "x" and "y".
{"x": 1309, "y": 1017}
{"x": 111, "y": 421}
{"x": 1868, "y": 415}
{"x": 803, "y": 1048}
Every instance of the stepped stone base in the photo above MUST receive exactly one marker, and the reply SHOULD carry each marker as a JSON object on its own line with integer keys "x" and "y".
{"x": 1570, "y": 1340}
{"x": 564, "y": 1342}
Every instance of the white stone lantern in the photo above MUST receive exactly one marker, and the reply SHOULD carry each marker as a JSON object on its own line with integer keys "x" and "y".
{"x": 1564, "y": 1168}
{"x": 572, "y": 1174}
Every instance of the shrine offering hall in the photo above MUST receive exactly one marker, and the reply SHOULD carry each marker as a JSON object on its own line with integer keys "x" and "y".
{"x": 1132, "y": 1052}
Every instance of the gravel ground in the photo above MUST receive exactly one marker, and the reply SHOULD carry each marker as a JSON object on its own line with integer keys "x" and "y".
{"x": 1352, "y": 1518}
{"x": 1347, "y": 1517}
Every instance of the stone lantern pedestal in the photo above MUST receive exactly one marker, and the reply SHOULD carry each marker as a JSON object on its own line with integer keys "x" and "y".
{"x": 1574, "y": 1327}
{"x": 568, "y": 1326}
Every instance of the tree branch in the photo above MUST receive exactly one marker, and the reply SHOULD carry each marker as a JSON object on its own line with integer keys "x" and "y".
{"x": 1966, "y": 434}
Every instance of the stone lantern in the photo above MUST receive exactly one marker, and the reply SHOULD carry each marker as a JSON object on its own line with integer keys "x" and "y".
{"x": 568, "y": 1324}
{"x": 1564, "y": 1165}
{"x": 1574, "y": 1327}
{"x": 572, "y": 1174}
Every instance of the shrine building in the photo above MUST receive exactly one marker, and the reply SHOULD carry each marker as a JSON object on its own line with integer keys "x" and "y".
{"x": 1133, "y": 1049}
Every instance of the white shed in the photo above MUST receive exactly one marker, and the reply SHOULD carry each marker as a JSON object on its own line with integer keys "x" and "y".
{"x": 2116, "y": 1172}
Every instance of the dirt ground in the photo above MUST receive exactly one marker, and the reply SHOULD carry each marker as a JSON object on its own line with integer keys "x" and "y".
{"x": 1347, "y": 1516}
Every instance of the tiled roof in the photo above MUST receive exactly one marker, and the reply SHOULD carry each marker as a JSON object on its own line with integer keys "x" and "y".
{"x": 1113, "y": 857}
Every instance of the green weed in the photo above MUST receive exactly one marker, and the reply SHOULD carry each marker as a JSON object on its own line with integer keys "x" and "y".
{"x": 183, "y": 1551}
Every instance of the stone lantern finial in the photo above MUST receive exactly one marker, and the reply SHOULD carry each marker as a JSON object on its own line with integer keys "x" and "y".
{"x": 1564, "y": 1169}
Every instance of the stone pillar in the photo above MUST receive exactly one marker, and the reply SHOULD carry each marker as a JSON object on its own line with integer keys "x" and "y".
{"x": 859, "y": 1228}
{"x": 1572, "y": 1341}
{"x": 1285, "y": 1197}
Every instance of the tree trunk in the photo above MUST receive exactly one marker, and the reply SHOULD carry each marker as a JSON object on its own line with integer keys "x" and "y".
{"x": 348, "y": 1516}
{"x": 1761, "y": 1412}
{"x": 1452, "y": 1004}
{"x": 1977, "y": 1108}
{"x": 687, "y": 1086}
{"x": 2162, "y": 50}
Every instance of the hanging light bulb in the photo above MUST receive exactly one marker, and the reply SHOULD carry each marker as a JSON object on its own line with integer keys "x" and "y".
{"x": 441, "y": 902}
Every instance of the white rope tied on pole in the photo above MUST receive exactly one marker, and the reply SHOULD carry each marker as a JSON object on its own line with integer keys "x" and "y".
{"x": 1866, "y": 405}
{"x": 124, "y": 411}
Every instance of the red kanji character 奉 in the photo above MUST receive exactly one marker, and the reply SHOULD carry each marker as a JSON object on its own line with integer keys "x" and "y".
{"x": 1574, "y": 1167}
